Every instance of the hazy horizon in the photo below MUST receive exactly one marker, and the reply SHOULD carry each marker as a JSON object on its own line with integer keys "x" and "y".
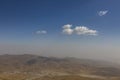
{"x": 66, "y": 28}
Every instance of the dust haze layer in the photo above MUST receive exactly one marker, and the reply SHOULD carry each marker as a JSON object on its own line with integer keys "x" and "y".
{"x": 102, "y": 51}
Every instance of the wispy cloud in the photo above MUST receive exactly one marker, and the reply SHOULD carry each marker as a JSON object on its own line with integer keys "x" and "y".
{"x": 41, "y": 32}
{"x": 78, "y": 30}
{"x": 102, "y": 13}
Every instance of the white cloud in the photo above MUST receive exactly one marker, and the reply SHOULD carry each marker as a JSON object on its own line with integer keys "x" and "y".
{"x": 78, "y": 30}
{"x": 102, "y": 13}
{"x": 67, "y": 26}
{"x": 67, "y": 29}
{"x": 41, "y": 32}
{"x": 82, "y": 30}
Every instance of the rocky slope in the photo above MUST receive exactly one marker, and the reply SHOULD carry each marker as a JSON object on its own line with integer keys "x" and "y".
{"x": 36, "y": 66}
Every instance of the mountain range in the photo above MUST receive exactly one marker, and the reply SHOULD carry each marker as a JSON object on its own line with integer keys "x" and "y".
{"x": 35, "y": 65}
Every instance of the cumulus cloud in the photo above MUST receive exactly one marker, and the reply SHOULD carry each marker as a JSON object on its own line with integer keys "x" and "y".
{"x": 82, "y": 30}
{"x": 67, "y": 29}
{"x": 102, "y": 13}
{"x": 41, "y": 32}
{"x": 78, "y": 30}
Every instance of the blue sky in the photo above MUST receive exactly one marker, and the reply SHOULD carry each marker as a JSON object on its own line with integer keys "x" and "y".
{"x": 25, "y": 16}
{"x": 40, "y": 23}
